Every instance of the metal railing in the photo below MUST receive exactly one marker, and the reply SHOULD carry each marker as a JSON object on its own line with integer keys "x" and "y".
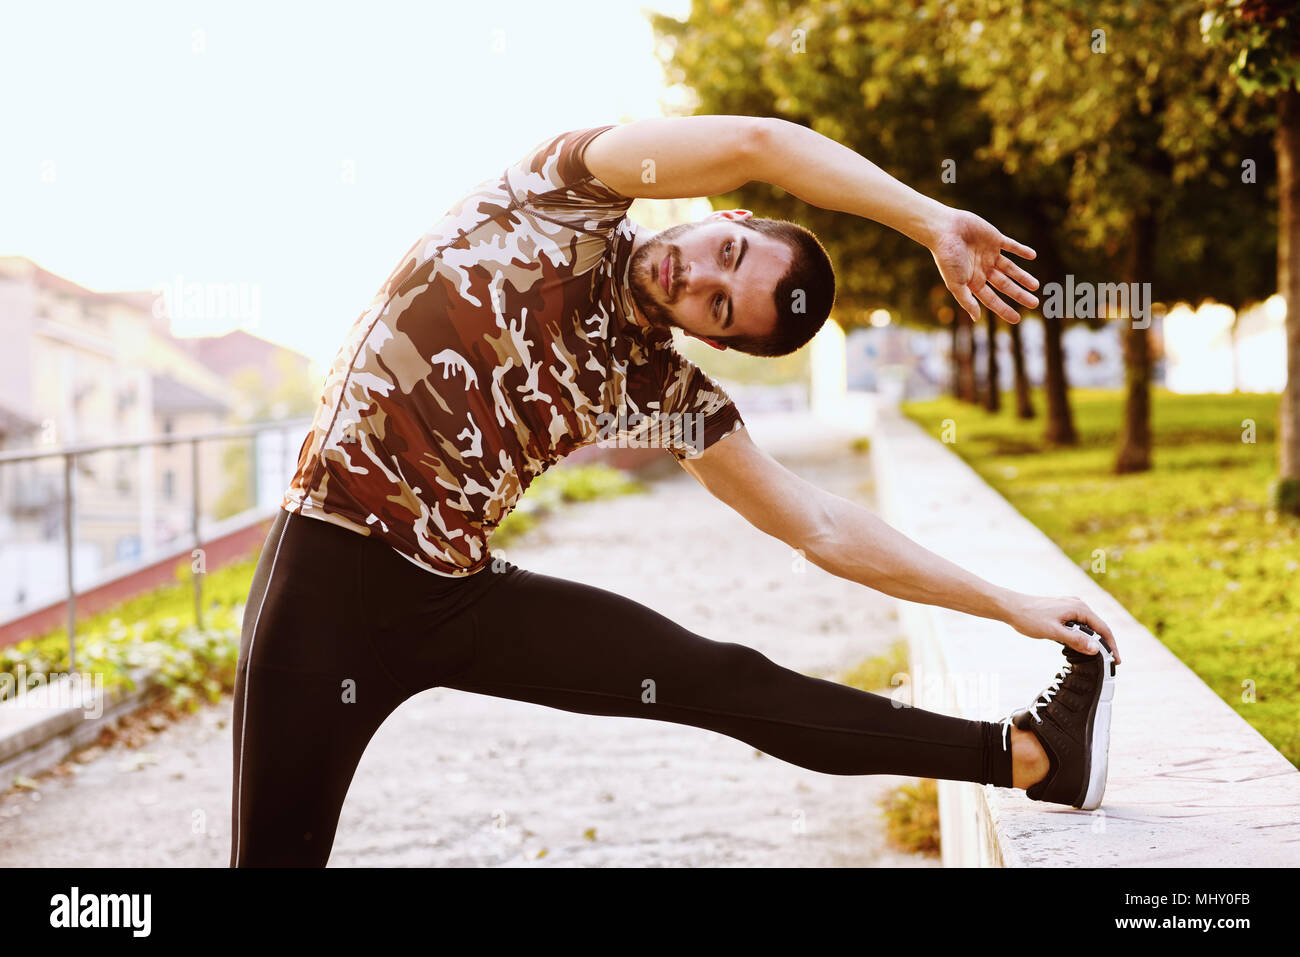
{"x": 70, "y": 454}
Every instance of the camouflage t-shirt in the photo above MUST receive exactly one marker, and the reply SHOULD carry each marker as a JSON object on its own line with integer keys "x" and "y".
{"x": 504, "y": 339}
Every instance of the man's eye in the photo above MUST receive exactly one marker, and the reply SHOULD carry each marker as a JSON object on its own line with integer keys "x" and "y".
{"x": 717, "y": 304}
{"x": 727, "y": 251}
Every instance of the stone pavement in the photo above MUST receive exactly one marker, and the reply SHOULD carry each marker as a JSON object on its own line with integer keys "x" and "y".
{"x": 456, "y": 779}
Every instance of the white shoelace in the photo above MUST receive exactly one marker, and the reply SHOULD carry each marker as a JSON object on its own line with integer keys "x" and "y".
{"x": 1044, "y": 698}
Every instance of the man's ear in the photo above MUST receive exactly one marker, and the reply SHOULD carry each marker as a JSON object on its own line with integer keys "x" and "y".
{"x": 732, "y": 214}
{"x": 715, "y": 344}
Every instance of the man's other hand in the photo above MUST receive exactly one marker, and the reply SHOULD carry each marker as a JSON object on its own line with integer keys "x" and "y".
{"x": 970, "y": 255}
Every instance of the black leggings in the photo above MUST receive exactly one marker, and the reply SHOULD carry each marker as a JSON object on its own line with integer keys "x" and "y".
{"x": 340, "y": 629}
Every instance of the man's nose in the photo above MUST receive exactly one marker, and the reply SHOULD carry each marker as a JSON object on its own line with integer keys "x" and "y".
{"x": 700, "y": 276}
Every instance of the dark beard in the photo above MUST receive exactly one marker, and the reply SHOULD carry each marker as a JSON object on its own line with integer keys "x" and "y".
{"x": 656, "y": 313}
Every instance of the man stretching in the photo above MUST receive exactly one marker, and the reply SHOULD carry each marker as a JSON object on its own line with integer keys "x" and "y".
{"x": 535, "y": 318}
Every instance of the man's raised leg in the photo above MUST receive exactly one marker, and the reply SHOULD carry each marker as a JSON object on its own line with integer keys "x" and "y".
{"x": 579, "y": 648}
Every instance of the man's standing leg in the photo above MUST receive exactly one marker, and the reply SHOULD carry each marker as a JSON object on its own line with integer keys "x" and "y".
{"x": 309, "y": 695}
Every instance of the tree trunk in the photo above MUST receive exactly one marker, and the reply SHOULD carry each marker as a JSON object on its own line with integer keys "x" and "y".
{"x": 972, "y": 371}
{"x": 1024, "y": 403}
{"x": 954, "y": 357}
{"x": 992, "y": 397}
{"x": 966, "y": 359}
{"x": 1286, "y": 493}
{"x": 1060, "y": 420}
{"x": 1135, "y": 437}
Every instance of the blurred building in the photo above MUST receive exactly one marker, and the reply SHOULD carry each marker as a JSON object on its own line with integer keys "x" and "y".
{"x": 81, "y": 366}
{"x": 263, "y": 367}
{"x": 1214, "y": 349}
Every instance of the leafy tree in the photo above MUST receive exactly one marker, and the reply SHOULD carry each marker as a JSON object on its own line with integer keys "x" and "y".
{"x": 1118, "y": 163}
{"x": 1263, "y": 39}
{"x": 1131, "y": 104}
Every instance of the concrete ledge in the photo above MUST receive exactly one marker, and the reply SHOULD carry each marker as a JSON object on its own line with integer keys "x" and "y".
{"x": 38, "y": 729}
{"x": 1190, "y": 783}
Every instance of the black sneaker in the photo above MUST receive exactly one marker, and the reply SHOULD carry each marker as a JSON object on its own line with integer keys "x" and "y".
{"x": 1071, "y": 719}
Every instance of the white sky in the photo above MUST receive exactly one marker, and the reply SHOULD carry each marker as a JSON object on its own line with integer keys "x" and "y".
{"x": 149, "y": 143}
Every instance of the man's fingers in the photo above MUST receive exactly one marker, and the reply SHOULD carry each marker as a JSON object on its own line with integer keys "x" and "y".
{"x": 1003, "y": 284}
{"x": 1087, "y": 616}
{"x": 987, "y": 296}
{"x": 1016, "y": 273}
{"x": 1020, "y": 249}
{"x": 1076, "y": 639}
{"x": 1096, "y": 624}
{"x": 966, "y": 301}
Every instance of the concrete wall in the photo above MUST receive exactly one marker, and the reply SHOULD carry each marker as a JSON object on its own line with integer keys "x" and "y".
{"x": 1191, "y": 784}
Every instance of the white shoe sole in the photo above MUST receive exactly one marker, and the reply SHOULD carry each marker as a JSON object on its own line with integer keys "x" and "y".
{"x": 1100, "y": 736}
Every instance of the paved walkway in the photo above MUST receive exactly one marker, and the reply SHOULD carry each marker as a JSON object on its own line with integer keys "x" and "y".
{"x": 455, "y": 779}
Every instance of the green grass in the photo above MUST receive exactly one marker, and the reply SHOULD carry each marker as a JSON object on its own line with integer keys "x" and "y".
{"x": 910, "y": 811}
{"x": 911, "y": 814}
{"x": 1190, "y": 548}
{"x": 155, "y": 630}
{"x": 876, "y": 674}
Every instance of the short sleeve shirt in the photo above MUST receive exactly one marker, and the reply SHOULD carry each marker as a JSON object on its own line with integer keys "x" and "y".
{"x": 503, "y": 340}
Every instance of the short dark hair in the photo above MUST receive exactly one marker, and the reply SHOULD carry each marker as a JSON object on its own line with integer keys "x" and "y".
{"x": 804, "y": 296}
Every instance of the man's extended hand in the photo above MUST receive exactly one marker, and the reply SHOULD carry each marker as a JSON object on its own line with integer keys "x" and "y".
{"x": 1046, "y": 617}
{"x": 969, "y": 254}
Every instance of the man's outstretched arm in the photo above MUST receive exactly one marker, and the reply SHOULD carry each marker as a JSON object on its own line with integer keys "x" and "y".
{"x": 688, "y": 156}
{"x": 852, "y": 543}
